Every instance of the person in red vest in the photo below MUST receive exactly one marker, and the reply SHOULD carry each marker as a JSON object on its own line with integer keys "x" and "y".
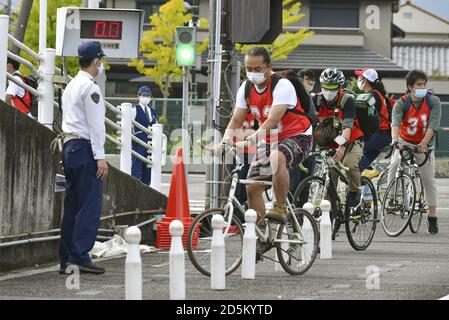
{"x": 334, "y": 100}
{"x": 416, "y": 120}
{"x": 369, "y": 82}
{"x": 16, "y": 95}
{"x": 284, "y": 135}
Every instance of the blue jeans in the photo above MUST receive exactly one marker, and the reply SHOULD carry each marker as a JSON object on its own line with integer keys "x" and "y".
{"x": 372, "y": 148}
{"x": 82, "y": 203}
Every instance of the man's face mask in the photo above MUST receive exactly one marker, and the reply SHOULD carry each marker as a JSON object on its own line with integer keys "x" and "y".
{"x": 100, "y": 67}
{"x": 256, "y": 77}
{"x": 144, "y": 100}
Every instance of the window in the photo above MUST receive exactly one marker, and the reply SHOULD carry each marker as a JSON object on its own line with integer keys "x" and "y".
{"x": 334, "y": 14}
{"x": 408, "y": 15}
{"x": 150, "y": 7}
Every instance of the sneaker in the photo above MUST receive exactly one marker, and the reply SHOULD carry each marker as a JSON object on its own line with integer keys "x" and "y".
{"x": 370, "y": 173}
{"x": 278, "y": 213}
{"x": 432, "y": 225}
{"x": 353, "y": 199}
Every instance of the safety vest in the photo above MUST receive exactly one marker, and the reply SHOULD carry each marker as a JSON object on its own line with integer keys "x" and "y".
{"x": 415, "y": 122}
{"x": 385, "y": 124}
{"x": 24, "y": 103}
{"x": 326, "y": 112}
{"x": 291, "y": 124}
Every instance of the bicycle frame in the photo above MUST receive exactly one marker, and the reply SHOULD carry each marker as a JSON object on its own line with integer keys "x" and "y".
{"x": 232, "y": 201}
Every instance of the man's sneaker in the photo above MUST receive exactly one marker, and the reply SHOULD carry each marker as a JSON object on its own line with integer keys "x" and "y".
{"x": 432, "y": 225}
{"x": 353, "y": 199}
{"x": 370, "y": 173}
{"x": 278, "y": 213}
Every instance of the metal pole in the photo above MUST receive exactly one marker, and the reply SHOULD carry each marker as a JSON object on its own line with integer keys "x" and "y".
{"x": 4, "y": 25}
{"x": 156, "y": 157}
{"x": 42, "y": 25}
{"x": 94, "y": 4}
{"x": 126, "y": 137}
{"x": 185, "y": 118}
{"x": 46, "y": 88}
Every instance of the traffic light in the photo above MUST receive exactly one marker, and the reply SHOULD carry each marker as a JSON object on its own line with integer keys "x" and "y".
{"x": 185, "y": 46}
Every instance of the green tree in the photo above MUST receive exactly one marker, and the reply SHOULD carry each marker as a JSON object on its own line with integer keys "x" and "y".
{"x": 287, "y": 41}
{"x": 32, "y": 32}
{"x": 158, "y": 46}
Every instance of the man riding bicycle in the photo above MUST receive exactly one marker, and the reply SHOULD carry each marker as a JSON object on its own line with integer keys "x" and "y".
{"x": 283, "y": 125}
{"x": 416, "y": 119}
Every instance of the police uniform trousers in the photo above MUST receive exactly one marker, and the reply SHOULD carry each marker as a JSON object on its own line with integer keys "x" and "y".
{"x": 82, "y": 203}
{"x": 139, "y": 169}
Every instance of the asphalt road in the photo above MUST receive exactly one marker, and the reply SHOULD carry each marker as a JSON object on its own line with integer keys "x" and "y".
{"x": 412, "y": 266}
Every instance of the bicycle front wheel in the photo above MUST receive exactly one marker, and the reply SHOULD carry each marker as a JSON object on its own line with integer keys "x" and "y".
{"x": 297, "y": 242}
{"x": 199, "y": 241}
{"x": 361, "y": 224}
{"x": 397, "y": 205}
{"x": 419, "y": 208}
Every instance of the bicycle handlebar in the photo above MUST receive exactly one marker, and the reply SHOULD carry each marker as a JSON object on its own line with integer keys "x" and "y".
{"x": 412, "y": 150}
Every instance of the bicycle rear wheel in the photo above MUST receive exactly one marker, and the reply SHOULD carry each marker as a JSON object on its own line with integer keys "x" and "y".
{"x": 361, "y": 224}
{"x": 397, "y": 205}
{"x": 298, "y": 254}
{"x": 199, "y": 250}
{"x": 419, "y": 208}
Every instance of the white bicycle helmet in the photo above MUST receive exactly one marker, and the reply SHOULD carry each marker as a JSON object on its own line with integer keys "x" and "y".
{"x": 332, "y": 76}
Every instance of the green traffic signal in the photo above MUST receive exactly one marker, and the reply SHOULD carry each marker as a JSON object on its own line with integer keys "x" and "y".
{"x": 185, "y": 46}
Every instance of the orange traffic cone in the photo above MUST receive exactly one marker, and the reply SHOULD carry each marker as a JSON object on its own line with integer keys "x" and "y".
{"x": 177, "y": 207}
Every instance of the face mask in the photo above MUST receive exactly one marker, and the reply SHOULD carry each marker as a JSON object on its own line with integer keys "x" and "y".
{"x": 360, "y": 83}
{"x": 329, "y": 95}
{"x": 256, "y": 77}
{"x": 145, "y": 100}
{"x": 308, "y": 87}
{"x": 420, "y": 93}
{"x": 100, "y": 69}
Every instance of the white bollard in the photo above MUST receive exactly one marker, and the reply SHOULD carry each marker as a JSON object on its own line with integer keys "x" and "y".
{"x": 325, "y": 231}
{"x": 4, "y": 25}
{"x": 177, "y": 262}
{"x": 217, "y": 260}
{"x": 249, "y": 246}
{"x": 126, "y": 137}
{"x": 307, "y": 232}
{"x": 46, "y": 88}
{"x": 156, "y": 156}
{"x": 133, "y": 265}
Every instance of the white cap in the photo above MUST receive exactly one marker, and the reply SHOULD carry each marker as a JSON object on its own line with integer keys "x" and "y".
{"x": 368, "y": 73}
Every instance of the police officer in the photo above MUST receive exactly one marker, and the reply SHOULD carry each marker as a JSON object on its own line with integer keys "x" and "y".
{"x": 146, "y": 116}
{"x": 84, "y": 162}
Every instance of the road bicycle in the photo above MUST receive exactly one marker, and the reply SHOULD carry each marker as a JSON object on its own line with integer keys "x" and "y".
{"x": 405, "y": 201}
{"x": 360, "y": 221}
{"x": 296, "y": 242}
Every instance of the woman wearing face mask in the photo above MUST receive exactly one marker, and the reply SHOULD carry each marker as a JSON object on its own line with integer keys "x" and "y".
{"x": 416, "y": 120}
{"x": 368, "y": 81}
{"x": 146, "y": 116}
{"x": 335, "y": 100}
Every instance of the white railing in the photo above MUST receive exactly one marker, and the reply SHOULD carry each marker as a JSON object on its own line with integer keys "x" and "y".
{"x": 157, "y": 145}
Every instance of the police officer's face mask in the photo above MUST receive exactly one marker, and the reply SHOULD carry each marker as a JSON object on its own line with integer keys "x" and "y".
{"x": 100, "y": 67}
{"x": 145, "y": 100}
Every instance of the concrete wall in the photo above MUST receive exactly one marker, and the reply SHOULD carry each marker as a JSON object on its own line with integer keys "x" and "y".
{"x": 27, "y": 200}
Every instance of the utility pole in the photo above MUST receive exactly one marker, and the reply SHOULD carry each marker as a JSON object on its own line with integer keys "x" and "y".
{"x": 22, "y": 22}
{"x": 220, "y": 102}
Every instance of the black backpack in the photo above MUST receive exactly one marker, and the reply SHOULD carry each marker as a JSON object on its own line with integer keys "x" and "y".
{"x": 32, "y": 82}
{"x": 274, "y": 82}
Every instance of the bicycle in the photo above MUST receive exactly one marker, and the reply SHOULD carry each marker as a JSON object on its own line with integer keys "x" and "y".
{"x": 360, "y": 222}
{"x": 405, "y": 201}
{"x": 296, "y": 242}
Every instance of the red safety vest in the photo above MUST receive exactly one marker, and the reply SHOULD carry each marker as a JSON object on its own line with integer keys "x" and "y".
{"x": 415, "y": 122}
{"x": 385, "y": 124}
{"x": 291, "y": 124}
{"x": 26, "y": 104}
{"x": 325, "y": 112}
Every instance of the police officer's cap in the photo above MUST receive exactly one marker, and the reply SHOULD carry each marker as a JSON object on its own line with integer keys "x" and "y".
{"x": 144, "y": 90}
{"x": 90, "y": 50}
